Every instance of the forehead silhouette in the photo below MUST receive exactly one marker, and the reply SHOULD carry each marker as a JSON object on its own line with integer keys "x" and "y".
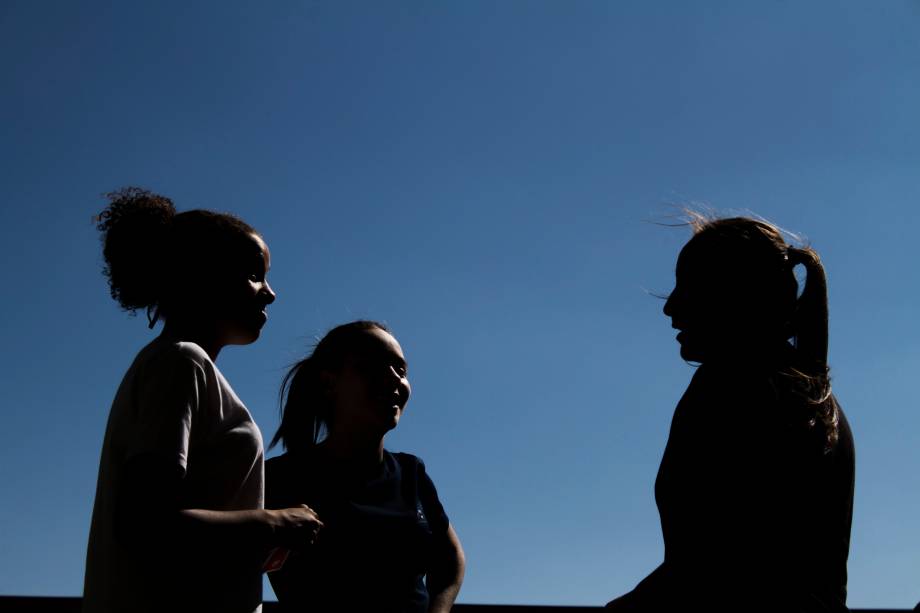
{"x": 741, "y": 246}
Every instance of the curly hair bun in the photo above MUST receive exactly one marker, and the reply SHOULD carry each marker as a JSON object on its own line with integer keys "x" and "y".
{"x": 134, "y": 228}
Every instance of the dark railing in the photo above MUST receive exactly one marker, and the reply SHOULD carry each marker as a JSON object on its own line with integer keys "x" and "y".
{"x": 37, "y": 604}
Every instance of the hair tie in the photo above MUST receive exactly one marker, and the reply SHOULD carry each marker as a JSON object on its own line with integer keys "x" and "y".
{"x": 796, "y": 256}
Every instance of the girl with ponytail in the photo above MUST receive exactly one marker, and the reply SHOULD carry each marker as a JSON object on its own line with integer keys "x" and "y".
{"x": 755, "y": 489}
{"x": 178, "y": 521}
{"x": 386, "y": 543}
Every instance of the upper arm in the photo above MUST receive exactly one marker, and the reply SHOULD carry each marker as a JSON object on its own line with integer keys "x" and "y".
{"x": 147, "y": 498}
{"x": 431, "y": 504}
{"x": 448, "y": 563}
{"x": 452, "y": 547}
{"x": 448, "y": 557}
{"x": 155, "y": 443}
{"x": 167, "y": 400}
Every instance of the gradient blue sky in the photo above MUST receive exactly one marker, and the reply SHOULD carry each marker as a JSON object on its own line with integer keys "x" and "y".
{"x": 481, "y": 176}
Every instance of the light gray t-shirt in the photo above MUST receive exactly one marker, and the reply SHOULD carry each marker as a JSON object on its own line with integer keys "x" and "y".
{"x": 174, "y": 403}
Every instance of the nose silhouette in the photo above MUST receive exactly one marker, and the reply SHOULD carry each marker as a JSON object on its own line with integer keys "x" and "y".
{"x": 268, "y": 293}
{"x": 668, "y": 308}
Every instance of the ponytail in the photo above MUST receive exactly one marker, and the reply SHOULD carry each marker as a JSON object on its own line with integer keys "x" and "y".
{"x": 302, "y": 411}
{"x": 810, "y": 320}
{"x": 810, "y": 325}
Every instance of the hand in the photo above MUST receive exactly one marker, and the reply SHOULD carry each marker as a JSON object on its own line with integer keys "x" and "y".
{"x": 294, "y": 528}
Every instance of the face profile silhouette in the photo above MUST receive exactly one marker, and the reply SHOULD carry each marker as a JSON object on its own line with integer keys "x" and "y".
{"x": 369, "y": 392}
{"x": 239, "y": 297}
{"x": 735, "y": 292}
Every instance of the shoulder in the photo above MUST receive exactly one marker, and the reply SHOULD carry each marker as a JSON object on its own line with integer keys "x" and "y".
{"x": 727, "y": 386}
{"x": 726, "y": 379}
{"x": 164, "y": 368}
{"x": 180, "y": 374}
{"x": 424, "y": 490}
{"x": 406, "y": 467}
{"x": 192, "y": 352}
{"x": 406, "y": 461}
{"x": 411, "y": 468}
{"x": 846, "y": 446}
{"x": 167, "y": 354}
{"x": 728, "y": 404}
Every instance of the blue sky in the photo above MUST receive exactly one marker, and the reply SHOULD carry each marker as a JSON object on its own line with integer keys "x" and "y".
{"x": 483, "y": 176}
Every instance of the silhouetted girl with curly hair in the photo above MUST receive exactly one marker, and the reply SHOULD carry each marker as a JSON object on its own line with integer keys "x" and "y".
{"x": 178, "y": 522}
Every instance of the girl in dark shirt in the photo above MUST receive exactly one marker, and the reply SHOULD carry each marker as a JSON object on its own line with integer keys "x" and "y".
{"x": 386, "y": 544}
{"x": 755, "y": 489}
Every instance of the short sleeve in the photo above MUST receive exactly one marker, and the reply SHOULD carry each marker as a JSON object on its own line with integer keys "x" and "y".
{"x": 168, "y": 395}
{"x": 428, "y": 497}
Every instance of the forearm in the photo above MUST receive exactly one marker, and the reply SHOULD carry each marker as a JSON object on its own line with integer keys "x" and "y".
{"x": 149, "y": 513}
{"x": 246, "y": 531}
{"x": 444, "y": 586}
{"x": 443, "y": 601}
{"x": 446, "y": 576}
{"x": 244, "y": 534}
{"x": 150, "y": 510}
{"x": 254, "y": 531}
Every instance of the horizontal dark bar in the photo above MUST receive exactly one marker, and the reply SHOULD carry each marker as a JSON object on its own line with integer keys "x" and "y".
{"x": 65, "y": 604}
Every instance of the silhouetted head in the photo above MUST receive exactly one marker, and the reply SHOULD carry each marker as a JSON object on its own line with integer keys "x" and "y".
{"x": 736, "y": 301}
{"x": 736, "y": 294}
{"x": 355, "y": 383}
{"x": 198, "y": 269}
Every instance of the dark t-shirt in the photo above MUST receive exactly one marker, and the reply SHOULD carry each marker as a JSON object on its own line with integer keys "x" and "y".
{"x": 377, "y": 540}
{"x": 753, "y": 510}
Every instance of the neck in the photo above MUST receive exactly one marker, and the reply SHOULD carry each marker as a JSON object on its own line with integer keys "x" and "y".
{"x": 200, "y": 335}
{"x": 753, "y": 354}
{"x": 352, "y": 450}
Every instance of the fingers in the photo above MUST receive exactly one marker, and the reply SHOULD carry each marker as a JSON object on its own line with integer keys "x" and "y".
{"x": 311, "y": 514}
{"x": 310, "y": 520}
{"x": 307, "y": 526}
